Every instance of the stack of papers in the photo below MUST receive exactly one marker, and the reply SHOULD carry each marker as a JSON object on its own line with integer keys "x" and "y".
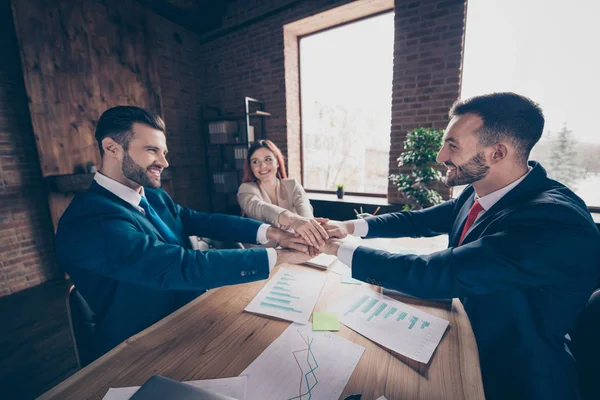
{"x": 323, "y": 261}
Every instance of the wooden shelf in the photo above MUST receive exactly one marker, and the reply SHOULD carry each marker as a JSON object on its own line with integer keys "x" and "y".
{"x": 69, "y": 183}
{"x": 260, "y": 113}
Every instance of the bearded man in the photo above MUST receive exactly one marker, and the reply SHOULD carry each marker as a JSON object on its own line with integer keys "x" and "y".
{"x": 523, "y": 253}
{"x": 124, "y": 242}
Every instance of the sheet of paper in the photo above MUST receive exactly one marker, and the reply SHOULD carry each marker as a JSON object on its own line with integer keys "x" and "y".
{"x": 338, "y": 267}
{"x": 391, "y": 323}
{"x": 322, "y": 261}
{"x": 325, "y": 321}
{"x": 233, "y": 387}
{"x": 348, "y": 279}
{"x": 291, "y": 294}
{"x": 382, "y": 398}
{"x": 302, "y": 364}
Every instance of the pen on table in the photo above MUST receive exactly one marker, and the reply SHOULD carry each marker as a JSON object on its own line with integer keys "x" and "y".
{"x": 376, "y": 211}
{"x": 356, "y": 212}
{"x": 361, "y": 211}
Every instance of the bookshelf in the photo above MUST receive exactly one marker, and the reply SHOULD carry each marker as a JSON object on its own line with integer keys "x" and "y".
{"x": 227, "y": 137}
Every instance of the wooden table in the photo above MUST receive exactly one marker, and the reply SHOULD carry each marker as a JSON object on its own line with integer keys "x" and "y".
{"x": 212, "y": 337}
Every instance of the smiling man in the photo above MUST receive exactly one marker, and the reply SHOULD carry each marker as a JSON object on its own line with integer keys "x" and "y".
{"x": 124, "y": 243}
{"x": 523, "y": 252}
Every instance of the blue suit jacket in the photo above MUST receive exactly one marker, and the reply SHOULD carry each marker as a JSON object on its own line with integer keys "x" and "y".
{"x": 524, "y": 273}
{"x": 130, "y": 276}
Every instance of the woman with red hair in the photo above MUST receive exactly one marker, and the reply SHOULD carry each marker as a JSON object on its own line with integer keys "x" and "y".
{"x": 268, "y": 195}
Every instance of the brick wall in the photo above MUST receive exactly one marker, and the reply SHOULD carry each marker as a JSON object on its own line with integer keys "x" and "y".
{"x": 26, "y": 234}
{"x": 26, "y": 237}
{"x": 249, "y": 61}
{"x": 180, "y": 59}
{"x": 427, "y": 70}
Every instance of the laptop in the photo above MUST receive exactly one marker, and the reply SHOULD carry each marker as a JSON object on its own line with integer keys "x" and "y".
{"x": 161, "y": 388}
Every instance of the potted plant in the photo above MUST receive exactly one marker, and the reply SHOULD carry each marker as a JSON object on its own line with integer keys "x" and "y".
{"x": 340, "y": 191}
{"x": 418, "y": 167}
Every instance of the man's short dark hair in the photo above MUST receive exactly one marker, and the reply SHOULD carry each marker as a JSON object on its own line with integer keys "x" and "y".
{"x": 506, "y": 116}
{"x": 116, "y": 124}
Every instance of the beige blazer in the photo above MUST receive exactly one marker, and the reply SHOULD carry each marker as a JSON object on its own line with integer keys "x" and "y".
{"x": 256, "y": 204}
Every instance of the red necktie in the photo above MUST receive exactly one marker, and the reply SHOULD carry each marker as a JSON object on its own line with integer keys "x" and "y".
{"x": 473, "y": 213}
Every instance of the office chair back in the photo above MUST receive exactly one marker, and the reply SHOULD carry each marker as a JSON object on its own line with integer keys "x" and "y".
{"x": 585, "y": 347}
{"x": 82, "y": 323}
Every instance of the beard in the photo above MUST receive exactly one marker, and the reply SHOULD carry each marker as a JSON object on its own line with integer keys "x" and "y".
{"x": 472, "y": 171}
{"x": 137, "y": 173}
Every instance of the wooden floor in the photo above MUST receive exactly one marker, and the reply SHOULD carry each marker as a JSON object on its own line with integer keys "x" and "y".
{"x": 36, "y": 351}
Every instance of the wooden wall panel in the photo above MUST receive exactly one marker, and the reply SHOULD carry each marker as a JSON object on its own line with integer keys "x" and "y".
{"x": 79, "y": 58}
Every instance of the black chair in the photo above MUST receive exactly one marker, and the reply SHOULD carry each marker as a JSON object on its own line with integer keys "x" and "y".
{"x": 82, "y": 323}
{"x": 585, "y": 346}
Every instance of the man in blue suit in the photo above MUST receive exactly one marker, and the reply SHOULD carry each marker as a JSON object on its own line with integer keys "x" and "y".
{"x": 125, "y": 245}
{"x": 523, "y": 254}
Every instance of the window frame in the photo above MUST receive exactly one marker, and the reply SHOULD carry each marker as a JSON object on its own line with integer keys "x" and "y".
{"x": 300, "y": 37}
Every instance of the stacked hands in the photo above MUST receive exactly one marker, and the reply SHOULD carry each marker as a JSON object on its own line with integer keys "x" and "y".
{"x": 309, "y": 238}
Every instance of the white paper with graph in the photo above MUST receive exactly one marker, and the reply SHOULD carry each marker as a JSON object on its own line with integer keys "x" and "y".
{"x": 301, "y": 365}
{"x": 291, "y": 294}
{"x": 391, "y": 323}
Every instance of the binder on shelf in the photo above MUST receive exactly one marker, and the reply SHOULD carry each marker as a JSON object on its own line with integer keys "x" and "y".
{"x": 221, "y": 132}
{"x": 240, "y": 154}
{"x": 250, "y": 133}
{"x": 225, "y": 182}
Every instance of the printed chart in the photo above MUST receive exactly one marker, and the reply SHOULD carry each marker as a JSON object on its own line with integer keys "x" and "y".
{"x": 291, "y": 294}
{"x": 303, "y": 365}
{"x": 391, "y": 323}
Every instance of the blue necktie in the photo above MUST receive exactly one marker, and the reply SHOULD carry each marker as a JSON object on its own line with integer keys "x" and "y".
{"x": 158, "y": 223}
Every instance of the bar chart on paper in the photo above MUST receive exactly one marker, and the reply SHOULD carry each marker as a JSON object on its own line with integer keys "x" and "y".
{"x": 303, "y": 365}
{"x": 391, "y": 323}
{"x": 291, "y": 294}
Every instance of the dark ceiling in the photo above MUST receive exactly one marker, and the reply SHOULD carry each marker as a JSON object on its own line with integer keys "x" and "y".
{"x": 200, "y": 16}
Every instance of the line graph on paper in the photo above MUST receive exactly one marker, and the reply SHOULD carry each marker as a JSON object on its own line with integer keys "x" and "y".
{"x": 303, "y": 365}
{"x": 307, "y": 366}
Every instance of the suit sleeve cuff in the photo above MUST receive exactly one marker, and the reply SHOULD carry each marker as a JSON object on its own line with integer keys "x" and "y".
{"x": 261, "y": 235}
{"x": 361, "y": 227}
{"x": 346, "y": 252}
{"x": 272, "y": 254}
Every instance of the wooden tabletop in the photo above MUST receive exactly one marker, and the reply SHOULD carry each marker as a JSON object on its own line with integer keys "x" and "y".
{"x": 212, "y": 337}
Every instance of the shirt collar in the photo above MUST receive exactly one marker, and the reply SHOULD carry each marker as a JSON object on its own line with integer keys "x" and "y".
{"x": 490, "y": 199}
{"x": 118, "y": 189}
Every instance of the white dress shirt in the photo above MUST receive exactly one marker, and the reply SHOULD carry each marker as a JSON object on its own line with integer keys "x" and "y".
{"x": 361, "y": 227}
{"x": 132, "y": 197}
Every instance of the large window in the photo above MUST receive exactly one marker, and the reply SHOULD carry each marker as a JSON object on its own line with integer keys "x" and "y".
{"x": 346, "y": 92}
{"x": 545, "y": 50}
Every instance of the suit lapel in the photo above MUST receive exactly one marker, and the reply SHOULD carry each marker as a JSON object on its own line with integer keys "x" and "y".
{"x": 530, "y": 186}
{"x": 134, "y": 212}
{"x": 164, "y": 214}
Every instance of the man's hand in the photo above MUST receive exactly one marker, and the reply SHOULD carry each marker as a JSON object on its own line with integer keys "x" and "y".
{"x": 291, "y": 241}
{"x": 291, "y": 257}
{"x": 331, "y": 247}
{"x": 311, "y": 230}
{"x": 336, "y": 229}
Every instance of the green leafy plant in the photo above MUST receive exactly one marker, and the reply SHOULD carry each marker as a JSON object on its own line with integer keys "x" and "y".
{"x": 418, "y": 167}
{"x": 340, "y": 187}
